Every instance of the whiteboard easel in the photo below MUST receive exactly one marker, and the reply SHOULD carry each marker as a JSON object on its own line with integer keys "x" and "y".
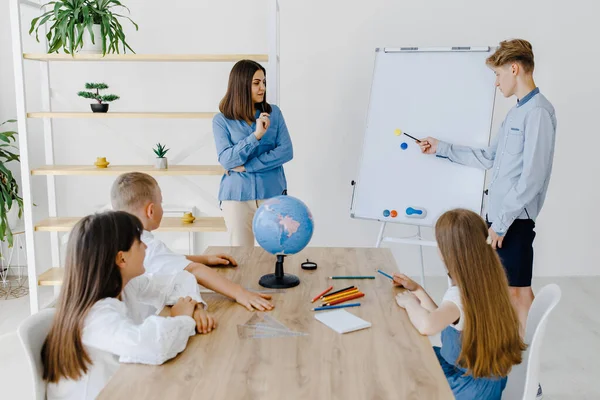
{"x": 447, "y": 93}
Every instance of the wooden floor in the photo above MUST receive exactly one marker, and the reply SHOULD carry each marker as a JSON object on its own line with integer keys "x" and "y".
{"x": 570, "y": 362}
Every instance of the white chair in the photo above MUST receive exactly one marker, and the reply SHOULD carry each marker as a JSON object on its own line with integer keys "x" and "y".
{"x": 523, "y": 379}
{"x": 32, "y": 333}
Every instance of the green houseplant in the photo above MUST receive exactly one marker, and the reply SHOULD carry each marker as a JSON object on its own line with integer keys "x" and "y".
{"x": 71, "y": 19}
{"x": 101, "y": 105}
{"x": 9, "y": 188}
{"x": 161, "y": 160}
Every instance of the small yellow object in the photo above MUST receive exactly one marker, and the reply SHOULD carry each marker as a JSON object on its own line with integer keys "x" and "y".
{"x": 101, "y": 162}
{"x": 188, "y": 218}
{"x": 397, "y": 132}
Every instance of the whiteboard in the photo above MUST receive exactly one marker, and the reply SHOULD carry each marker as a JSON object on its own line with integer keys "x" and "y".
{"x": 444, "y": 93}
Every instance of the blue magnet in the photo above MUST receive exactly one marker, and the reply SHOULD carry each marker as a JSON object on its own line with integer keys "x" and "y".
{"x": 386, "y": 213}
{"x": 416, "y": 212}
{"x": 404, "y": 146}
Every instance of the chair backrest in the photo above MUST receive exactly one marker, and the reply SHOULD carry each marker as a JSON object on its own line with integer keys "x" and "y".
{"x": 523, "y": 379}
{"x": 32, "y": 333}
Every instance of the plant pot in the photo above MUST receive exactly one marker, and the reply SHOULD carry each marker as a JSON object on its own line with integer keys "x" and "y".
{"x": 99, "y": 108}
{"x": 161, "y": 163}
{"x": 88, "y": 46}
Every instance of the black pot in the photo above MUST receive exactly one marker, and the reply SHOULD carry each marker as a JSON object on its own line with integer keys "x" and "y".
{"x": 99, "y": 108}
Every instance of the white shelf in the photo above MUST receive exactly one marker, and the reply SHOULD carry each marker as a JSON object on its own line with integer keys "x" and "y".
{"x": 165, "y": 115}
{"x": 52, "y": 277}
{"x": 146, "y": 57}
{"x": 114, "y": 170}
{"x": 168, "y": 224}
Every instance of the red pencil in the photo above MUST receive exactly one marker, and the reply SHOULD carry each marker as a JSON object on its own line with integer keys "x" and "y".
{"x": 321, "y": 294}
{"x": 343, "y": 299}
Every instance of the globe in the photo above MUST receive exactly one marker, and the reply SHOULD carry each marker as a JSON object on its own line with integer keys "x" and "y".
{"x": 282, "y": 226}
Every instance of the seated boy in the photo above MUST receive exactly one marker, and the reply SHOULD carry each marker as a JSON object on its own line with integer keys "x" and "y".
{"x": 139, "y": 194}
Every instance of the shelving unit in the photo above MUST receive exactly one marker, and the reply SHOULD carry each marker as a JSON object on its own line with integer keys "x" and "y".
{"x": 52, "y": 275}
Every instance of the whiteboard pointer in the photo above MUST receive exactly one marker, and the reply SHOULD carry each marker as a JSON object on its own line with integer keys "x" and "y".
{"x": 412, "y": 137}
{"x": 399, "y": 132}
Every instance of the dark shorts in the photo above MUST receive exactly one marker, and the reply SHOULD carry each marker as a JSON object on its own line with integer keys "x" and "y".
{"x": 516, "y": 253}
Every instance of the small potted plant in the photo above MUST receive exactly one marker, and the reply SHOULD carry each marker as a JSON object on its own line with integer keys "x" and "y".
{"x": 161, "y": 160}
{"x": 100, "y": 106}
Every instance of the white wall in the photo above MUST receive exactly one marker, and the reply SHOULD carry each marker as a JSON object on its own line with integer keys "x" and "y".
{"x": 326, "y": 66}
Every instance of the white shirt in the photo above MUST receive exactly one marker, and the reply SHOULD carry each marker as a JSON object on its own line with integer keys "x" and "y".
{"x": 452, "y": 295}
{"x": 160, "y": 259}
{"x": 129, "y": 331}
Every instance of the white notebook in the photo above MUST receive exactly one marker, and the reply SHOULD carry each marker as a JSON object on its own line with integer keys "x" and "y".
{"x": 342, "y": 321}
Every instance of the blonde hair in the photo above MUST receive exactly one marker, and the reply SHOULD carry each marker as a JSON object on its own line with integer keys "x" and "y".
{"x": 491, "y": 343}
{"x": 133, "y": 190}
{"x": 511, "y": 51}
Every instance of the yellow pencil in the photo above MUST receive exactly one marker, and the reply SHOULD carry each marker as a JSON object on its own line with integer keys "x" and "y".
{"x": 337, "y": 296}
{"x": 345, "y": 299}
{"x": 354, "y": 289}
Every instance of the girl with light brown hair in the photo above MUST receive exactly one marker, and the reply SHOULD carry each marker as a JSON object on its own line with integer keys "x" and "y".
{"x": 480, "y": 329}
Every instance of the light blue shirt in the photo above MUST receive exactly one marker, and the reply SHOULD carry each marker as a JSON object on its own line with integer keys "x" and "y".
{"x": 521, "y": 158}
{"x": 263, "y": 159}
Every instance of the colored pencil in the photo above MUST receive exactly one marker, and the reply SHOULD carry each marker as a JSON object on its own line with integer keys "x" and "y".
{"x": 337, "y": 296}
{"x": 317, "y": 297}
{"x": 353, "y": 277}
{"x": 345, "y": 299}
{"x": 333, "y": 307}
{"x": 385, "y": 274}
{"x": 340, "y": 291}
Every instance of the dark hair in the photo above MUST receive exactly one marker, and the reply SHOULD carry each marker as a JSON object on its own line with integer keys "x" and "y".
{"x": 91, "y": 274}
{"x": 237, "y": 103}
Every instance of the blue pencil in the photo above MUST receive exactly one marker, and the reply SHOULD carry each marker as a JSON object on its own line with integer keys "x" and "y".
{"x": 385, "y": 274}
{"x": 332, "y": 307}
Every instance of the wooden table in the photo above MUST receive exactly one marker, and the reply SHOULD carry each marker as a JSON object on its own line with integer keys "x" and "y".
{"x": 390, "y": 360}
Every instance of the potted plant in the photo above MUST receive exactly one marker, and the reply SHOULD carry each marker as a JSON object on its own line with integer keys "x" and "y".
{"x": 161, "y": 160}
{"x": 92, "y": 26}
{"x": 101, "y": 106}
{"x": 11, "y": 204}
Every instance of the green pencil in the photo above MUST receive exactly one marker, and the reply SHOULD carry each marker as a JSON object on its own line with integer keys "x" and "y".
{"x": 353, "y": 277}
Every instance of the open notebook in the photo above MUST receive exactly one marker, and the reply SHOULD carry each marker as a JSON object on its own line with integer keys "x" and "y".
{"x": 342, "y": 321}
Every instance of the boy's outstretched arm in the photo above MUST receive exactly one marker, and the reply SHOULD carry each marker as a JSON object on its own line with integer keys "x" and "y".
{"x": 211, "y": 279}
{"x": 470, "y": 156}
{"x": 217, "y": 260}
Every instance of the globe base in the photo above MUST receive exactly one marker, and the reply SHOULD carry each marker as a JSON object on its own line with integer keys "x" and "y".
{"x": 273, "y": 282}
{"x": 279, "y": 280}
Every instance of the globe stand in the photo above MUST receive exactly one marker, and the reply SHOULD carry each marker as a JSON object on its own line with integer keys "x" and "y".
{"x": 279, "y": 280}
